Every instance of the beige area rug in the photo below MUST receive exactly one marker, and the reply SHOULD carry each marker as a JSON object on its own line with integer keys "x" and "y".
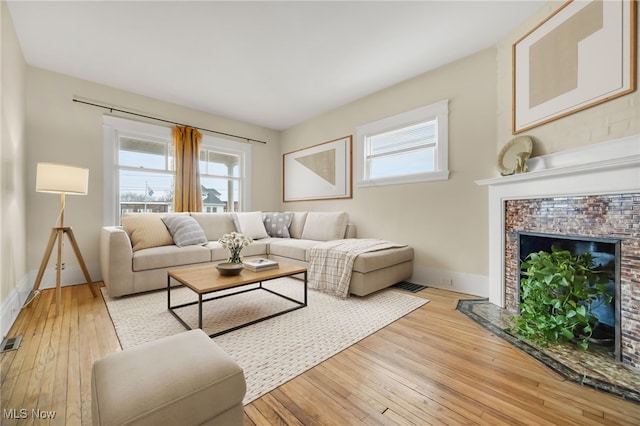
{"x": 271, "y": 352}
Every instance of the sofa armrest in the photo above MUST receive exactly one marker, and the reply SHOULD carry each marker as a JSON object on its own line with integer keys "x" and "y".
{"x": 116, "y": 260}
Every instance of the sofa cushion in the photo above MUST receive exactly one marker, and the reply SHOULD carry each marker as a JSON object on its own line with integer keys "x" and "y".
{"x": 220, "y": 253}
{"x": 374, "y": 260}
{"x": 291, "y": 248}
{"x": 277, "y": 224}
{"x": 146, "y": 230}
{"x": 169, "y": 256}
{"x": 325, "y": 226}
{"x": 250, "y": 225}
{"x": 256, "y": 248}
{"x": 184, "y": 230}
{"x": 297, "y": 224}
{"x": 215, "y": 225}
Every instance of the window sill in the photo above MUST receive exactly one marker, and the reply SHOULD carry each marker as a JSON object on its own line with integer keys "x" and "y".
{"x": 398, "y": 180}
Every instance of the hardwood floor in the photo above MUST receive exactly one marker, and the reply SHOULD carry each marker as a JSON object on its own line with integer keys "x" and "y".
{"x": 51, "y": 371}
{"x": 434, "y": 366}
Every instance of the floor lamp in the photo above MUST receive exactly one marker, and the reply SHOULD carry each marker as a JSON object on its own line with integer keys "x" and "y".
{"x": 60, "y": 179}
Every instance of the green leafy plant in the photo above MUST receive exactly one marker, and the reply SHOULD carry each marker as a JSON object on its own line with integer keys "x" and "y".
{"x": 558, "y": 292}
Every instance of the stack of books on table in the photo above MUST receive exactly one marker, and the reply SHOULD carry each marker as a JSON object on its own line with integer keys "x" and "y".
{"x": 260, "y": 264}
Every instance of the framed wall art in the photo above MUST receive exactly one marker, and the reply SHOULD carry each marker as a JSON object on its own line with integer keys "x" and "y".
{"x": 582, "y": 55}
{"x": 319, "y": 172}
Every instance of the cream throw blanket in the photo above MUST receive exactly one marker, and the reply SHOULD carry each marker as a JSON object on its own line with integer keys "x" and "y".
{"x": 331, "y": 263}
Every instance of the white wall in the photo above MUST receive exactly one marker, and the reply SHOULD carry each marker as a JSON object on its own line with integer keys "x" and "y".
{"x": 12, "y": 173}
{"x": 446, "y": 221}
{"x": 60, "y": 130}
{"x": 614, "y": 119}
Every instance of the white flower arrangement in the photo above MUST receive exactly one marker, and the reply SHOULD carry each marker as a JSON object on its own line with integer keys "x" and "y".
{"x": 234, "y": 242}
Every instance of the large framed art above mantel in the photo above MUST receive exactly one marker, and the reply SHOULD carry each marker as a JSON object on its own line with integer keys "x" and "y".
{"x": 319, "y": 172}
{"x": 582, "y": 55}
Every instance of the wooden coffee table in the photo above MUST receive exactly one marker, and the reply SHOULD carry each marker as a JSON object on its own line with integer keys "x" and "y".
{"x": 205, "y": 279}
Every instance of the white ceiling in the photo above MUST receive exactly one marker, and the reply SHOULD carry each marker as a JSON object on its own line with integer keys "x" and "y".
{"x": 270, "y": 63}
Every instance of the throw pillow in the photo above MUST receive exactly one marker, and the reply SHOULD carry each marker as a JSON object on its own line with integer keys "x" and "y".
{"x": 185, "y": 230}
{"x": 250, "y": 225}
{"x": 297, "y": 224}
{"x": 325, "y": 226}
{"x": 146, "y": 230}
{"x": 277, "y": 224}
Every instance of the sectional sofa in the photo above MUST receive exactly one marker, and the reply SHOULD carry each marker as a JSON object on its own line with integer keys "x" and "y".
{"x": 136, "y": 255}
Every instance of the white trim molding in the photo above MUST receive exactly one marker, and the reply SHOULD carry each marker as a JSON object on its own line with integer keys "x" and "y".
{"x": 461, "y": 282}
{"x": 115, "y": 127}
{"x": 438, "y": 111}
{"x": 611, "y": 167}
{"x": 12, "y": 305}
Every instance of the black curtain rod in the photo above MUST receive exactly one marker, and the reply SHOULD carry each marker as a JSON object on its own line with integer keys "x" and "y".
{"x": 111, "y": 109}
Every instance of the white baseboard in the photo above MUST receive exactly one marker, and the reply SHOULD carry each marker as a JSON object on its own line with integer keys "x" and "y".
{"x": 461, "y": 282}
{"x": 12, "y": 306}
{"x": 71, "y": 275}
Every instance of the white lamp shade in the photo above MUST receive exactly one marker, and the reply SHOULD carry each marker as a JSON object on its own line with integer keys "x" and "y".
{"x": 62, "y": 178}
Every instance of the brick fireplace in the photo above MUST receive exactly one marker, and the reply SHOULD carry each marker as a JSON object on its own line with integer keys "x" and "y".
{"x": 592, "y": 192}
{"x": 615, "y": 216}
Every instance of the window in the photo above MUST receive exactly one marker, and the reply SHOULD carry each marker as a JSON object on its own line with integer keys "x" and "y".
{"x": 139, "y": 170}
{"x": 409, "y": 147}
{"x": 221, "y": 180}
{"x": 145, "y": 175}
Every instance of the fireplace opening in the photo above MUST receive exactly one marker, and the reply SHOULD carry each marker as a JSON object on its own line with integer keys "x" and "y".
{"x": 606, "y": 258}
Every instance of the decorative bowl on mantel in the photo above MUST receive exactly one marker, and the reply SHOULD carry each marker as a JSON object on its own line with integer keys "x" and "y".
{"x": 229, "y": 269}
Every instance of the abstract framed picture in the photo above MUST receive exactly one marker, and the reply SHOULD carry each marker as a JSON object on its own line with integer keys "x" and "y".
{"x": 582, "y": 55}
{"x": 319, "y": 172}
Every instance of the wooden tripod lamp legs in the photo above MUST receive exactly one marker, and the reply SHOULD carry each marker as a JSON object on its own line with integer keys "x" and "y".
{"x": 58, "y": 233}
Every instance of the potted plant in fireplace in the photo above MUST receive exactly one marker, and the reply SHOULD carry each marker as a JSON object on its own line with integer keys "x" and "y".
{"x": 558, "y": 292}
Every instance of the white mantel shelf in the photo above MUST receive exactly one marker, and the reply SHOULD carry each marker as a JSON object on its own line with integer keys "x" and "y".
{"x": 619, "y": 163}
{"x": 611, "y": 167}
{"x": 610, "y": 155}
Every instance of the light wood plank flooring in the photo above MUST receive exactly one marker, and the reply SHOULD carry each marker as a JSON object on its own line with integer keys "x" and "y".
{"x": 434, "y": 366}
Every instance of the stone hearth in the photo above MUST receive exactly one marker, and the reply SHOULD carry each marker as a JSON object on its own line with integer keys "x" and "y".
{"x": 593, "y": 368}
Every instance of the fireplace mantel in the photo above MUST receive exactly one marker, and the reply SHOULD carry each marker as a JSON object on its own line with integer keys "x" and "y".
{"x": 611, "y": 167}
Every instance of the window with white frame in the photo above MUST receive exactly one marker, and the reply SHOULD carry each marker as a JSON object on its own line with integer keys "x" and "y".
{"x": 408, "y": 147}
{"x": 221, "y": 180}
{"x": 139, "y": 170}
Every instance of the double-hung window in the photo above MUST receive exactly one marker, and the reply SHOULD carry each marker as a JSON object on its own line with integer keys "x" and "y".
{"x": 408, "y": 147}
{"x": 145, "y": 174}
{"x": 221, "y": 179}
{"x": 139, "y": 170}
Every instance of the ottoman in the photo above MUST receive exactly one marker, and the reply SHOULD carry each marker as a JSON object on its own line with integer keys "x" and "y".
{"x": 184, "y": 379}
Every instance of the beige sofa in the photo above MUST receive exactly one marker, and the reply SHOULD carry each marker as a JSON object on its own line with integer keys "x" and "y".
{"x": 136, "y": 256}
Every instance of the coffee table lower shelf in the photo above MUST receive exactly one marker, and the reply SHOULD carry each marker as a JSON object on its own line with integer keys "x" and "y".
{"x": 201, "y": 299}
